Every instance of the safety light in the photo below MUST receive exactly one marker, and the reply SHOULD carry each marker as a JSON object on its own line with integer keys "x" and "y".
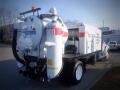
{"x": 34, "y": 8}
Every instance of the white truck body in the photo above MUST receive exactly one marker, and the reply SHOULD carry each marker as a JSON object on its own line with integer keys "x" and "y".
{"x": 89, "y": 38}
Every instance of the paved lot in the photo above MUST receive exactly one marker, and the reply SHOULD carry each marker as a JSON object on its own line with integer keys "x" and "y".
{"x": 10, "y": 79}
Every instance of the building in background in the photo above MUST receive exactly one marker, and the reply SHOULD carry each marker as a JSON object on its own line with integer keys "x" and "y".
{"x": 110, "y": 35}
{"x": 6, "y": 33}
{"x": 104, "y": 29}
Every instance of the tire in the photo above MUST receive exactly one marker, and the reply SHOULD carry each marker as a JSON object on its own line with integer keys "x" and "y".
{"x": 73, "y": 72}
{"x": 78, "y": 73}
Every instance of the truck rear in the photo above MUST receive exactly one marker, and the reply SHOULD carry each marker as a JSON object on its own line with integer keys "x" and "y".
{"x": 46, "y": 49}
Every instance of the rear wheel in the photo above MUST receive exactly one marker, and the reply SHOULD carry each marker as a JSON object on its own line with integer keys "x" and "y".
{"x": 78, "y": 72}
{"x": 73, "y": 72}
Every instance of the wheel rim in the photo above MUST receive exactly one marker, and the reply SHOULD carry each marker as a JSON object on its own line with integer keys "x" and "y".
{"x": 79, "y": 72}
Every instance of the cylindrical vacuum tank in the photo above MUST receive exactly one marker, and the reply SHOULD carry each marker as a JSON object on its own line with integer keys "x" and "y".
{"x": 54, "y": 49}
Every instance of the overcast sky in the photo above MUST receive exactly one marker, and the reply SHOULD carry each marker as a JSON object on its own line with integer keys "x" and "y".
{"x": 87, "y": 11}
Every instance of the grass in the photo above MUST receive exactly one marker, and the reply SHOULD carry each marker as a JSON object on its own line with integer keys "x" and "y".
{"x": 110, "y": 81}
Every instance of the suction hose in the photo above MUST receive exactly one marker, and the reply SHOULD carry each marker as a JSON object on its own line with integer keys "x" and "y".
{"x": 14, "y": 44}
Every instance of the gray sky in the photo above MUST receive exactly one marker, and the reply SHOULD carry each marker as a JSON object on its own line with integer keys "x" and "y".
{"x": 87, "y": 11}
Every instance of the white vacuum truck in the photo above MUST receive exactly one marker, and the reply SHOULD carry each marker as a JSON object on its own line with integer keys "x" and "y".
{"x": 45, "y": 49}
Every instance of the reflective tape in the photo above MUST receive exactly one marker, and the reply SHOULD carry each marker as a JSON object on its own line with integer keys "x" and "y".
{"x": 54, "y": 68}
{"x": 58, "y": 31}
{"x": 49, "y": 62}
{"x": 83, "y": 34}
{"x": 65, "y": 34}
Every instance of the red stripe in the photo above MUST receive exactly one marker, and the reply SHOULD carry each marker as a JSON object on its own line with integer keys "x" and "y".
{"x": 65, "y": 34}
{"x": 58, "y": 31}
{"x": 82, "y": 34}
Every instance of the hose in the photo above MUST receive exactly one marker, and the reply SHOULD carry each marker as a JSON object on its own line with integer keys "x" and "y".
{"x": 14, "y": 44}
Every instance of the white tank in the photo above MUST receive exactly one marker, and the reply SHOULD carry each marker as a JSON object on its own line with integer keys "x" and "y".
{"x": 29, "y": 35}
{"x": 31, "y": 31}
{"x": 57, "y": 35}
{"x": 54, "y": 49}
{"x": 44, "y": 38}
